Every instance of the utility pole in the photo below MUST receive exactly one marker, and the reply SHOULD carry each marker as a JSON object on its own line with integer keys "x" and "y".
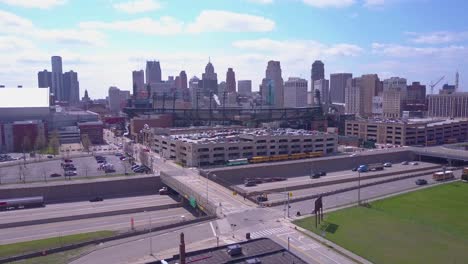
{"x": 359, "y": 187}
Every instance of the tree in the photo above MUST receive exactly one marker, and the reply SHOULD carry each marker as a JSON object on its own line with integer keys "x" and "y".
{"x": 54, "y": 143}
{"x": 86, "y": 142}
{"x": 40, "y": 142}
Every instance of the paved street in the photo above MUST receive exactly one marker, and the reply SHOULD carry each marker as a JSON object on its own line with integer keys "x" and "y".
{"x": 83, "y": 208}
{"x": 118, "y": 222}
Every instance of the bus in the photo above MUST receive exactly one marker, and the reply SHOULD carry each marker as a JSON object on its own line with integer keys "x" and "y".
{"x": 316, "y": 154}
{"x": 298, "y": 156}
{"x": 443, "y": 175}
{"x": 259, "y": 159}
{"x": 19, "y": 203}
{"x": 237, "y": 162}
{"x": 279, "y": 157}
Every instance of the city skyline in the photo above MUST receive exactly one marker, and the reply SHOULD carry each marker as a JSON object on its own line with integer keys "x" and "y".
{"x": 347, "y": 37}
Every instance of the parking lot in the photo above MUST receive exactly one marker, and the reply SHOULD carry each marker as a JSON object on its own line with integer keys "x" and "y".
{"x": 42, "y": 171}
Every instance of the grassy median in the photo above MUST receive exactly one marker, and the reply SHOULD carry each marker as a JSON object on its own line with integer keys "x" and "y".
{"x": 53, "y": 242}
{"x": 426, "y": 226}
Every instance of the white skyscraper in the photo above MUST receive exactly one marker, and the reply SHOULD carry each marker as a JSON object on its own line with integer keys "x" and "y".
{"x": 295, "y": 92}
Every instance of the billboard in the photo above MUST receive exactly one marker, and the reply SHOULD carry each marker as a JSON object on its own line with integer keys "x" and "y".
{"x": 24, "y": 97}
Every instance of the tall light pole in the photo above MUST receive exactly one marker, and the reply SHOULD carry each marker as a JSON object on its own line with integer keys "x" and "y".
{"x": 359, "y": 187}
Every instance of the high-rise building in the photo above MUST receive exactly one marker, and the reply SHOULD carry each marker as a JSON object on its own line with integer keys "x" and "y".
{"x": 318, "y": 71}
{"x": 370, "y": 87}
{"x": 268, "y": 92}
{"x": 273, "y": 73}
{"x": 392, "y": 103}
{"x": 416, "y": 91}
{"x": 453, "y": 105}
{"x": 230, "y": 81}
{"x": 395, "y": 84}
{"x": 138, "y": 80}
{"x": 338, "y": 85}
{"x": 117, "y": 99}
{"x": 183, "y": 80}
{"x": 208, "y": 85}
{"x": 321, "y": 87}
{"x": 353, "y": 97}
{"x": 222, "y": 89}
{"x": 244, "y": 87}
{"x": 44, "y": 79}
{"x": 447, "y": 89}
{"x": 295, "y": 92}
{"x": 71, "y": 88}
{"x": 57, "y": 77}
{"x": 153, "y": 72}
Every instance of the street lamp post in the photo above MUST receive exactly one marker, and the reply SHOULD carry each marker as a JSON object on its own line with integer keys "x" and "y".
{"x": 359, "y": 187}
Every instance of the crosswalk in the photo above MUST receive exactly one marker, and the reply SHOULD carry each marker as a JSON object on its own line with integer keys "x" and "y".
{"x": 270, "y": 232}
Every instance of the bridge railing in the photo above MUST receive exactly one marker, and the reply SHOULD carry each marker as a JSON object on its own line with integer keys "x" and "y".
{"x": 183, "y": 189}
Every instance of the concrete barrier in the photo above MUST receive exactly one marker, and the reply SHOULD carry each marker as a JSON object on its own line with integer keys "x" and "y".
{"x": 83, "y": 190}
{"x": 87, "y": 216}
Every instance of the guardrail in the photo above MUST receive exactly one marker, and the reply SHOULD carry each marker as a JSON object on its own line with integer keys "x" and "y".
{"x": 184, "y": 190}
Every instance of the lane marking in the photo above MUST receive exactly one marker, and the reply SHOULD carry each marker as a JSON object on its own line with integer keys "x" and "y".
{"x": 212, "y": 229}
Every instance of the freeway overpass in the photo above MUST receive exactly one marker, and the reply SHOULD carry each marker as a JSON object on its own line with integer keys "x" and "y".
{"x": 441, "y": 152}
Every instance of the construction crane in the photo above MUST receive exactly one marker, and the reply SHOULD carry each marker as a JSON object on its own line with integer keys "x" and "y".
{"x": 432, "y": 85}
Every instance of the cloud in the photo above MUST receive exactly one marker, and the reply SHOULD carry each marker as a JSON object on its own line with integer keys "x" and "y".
{"x": 402, "y": 51}
{"x": 438, "y": 37}
{"x": 329, "y": 3}
{"x": 306, "y": 48}
{"x": 10, "y": 22}
{"x": 225, "y": 21}
{"x": 207, "y": 21}
{"x": 41, "y": 4}
{"x": 264, "y": 2}
{"x": 164, "y": 26}
{"x": 13, "y": 43}
{"x": 374, "y": 3}
{"x": 138, "y": 6}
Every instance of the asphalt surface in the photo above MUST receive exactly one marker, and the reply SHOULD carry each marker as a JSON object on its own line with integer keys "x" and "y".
{"x": 119, "y": 223}
{"x": 83, "y": 208}
{"x": 351, "y": 197}
{"x": 347, "y": 174}
{"x": 41, "y": 171}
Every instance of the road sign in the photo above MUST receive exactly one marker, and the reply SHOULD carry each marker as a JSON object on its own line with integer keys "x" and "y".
{"x": 234, "y": 193}
{"x": 193, "y": 202}
{"x": 290, "y": 194}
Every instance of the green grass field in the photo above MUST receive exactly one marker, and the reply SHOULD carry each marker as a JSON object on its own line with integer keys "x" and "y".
{"x": 43, "y": 244}
{"x": 426, "y": 226}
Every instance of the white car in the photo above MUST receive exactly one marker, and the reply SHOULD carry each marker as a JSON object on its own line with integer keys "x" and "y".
{"x": 414, "y": 163}
{"x": 387, "y": 164}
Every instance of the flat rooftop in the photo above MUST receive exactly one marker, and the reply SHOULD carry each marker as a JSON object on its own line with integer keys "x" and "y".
{"x": 264, "y": 249}
{"x": 239, "y": 135}
{"x": 422, "y": 121}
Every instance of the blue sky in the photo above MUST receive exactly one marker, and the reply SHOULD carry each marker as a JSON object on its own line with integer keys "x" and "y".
{"x": 104, "y": 40}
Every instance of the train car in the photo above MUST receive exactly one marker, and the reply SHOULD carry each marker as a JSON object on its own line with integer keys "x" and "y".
{"x": 298, "y": 156}
{"x": 19, "y": 203}
{"x": 259, "y": 159}
{"x": 443, "y": 175}
{"x": 316, "y": 154}
{"x": 279, "y": 157}
{"x": 237, "y": 162}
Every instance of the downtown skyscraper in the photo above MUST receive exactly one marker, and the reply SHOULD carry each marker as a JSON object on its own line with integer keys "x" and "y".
{"x": 318, "y": 71}
{"x": 44, "y": 79}
{"x": 338, "y": 85}
{"x": 153, "y": 72}
{"x": 138, "y": 80}
{"x": 273, "y": 86}
{"x": 230, "y": 81}
{"x": 71, "y": 88}
{"x": 57, "y": 78}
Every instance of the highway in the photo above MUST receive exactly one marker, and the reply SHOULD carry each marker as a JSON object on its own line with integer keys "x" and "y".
{"x": 332, "y": 176}
{"x": 118, "y": 222}
{"x": 84, "y": 208}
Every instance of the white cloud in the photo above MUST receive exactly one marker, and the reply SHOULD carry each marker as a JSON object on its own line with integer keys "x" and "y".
{"x": 41, "y": 4}
{"x": 438, "y": 37}
{"x": 264, "y": 2}
{"x": 13, "y": 43}
{"x": 164, "y": 26}
{"x": 10, "y": 22}
{"x": 402, "y": 51}
{"x": 374, "y": 3}
{"x": 216, "y": 21}
{"x": 138, "y": 6}
{"x": 329, "y": 3}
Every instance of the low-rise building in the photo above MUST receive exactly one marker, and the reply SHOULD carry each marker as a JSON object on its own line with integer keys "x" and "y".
{"x": 94, "y": 130}
{"x": 409, "y": 132}
{"x": 224, "y": 144}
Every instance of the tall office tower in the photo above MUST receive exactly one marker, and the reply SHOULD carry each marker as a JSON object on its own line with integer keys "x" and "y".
{"x": 268, "y": 92}
{"x": 57, "y": 78}
{"x": 117, "y": 99}
{"x": 273, "y": 72}
{"x": 208, "y": 85}
{"x": 295, "y": 92}
{"x": 194, "y": 90}
{"x": 153, "y": 72}
{"x": 370, "y": 87}
{"x": 244, "y": 87}
{"x": 338, "y": 85}
{"x": 138, "y": 84}
{"x": 395, "y": 84}
{"x": 322, "y": 86}
{"x": 44, "y": 79}
{"x": 318, "y": 71}
{"x": 392, "y": 103}
{"x": 183, "y": 80}
{"x": 71, "y": 88}
{"x": 416, "y": 91}
{"x": 353, "y": 96}
{"x": 230, "y": 81}
{"x": 222, "y": 89}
